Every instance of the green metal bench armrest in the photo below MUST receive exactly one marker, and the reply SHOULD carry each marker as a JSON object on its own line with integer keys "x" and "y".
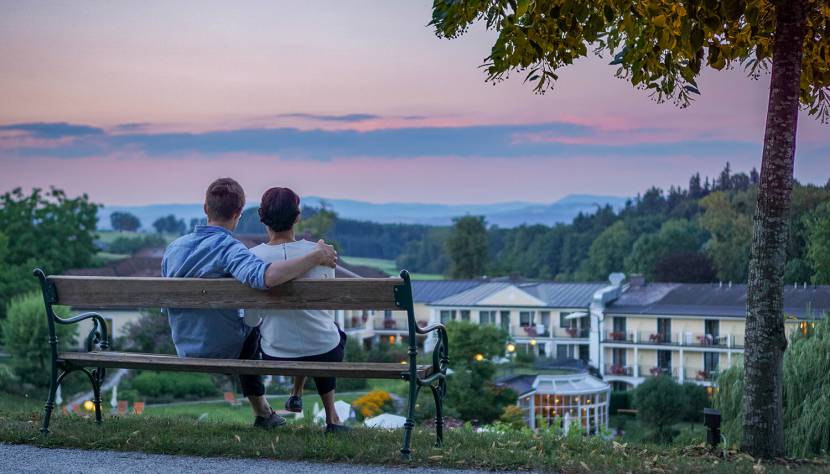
{"x": 97, "y": 335}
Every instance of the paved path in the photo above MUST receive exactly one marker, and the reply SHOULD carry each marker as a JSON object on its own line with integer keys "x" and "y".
{"x": 31, "y": 459}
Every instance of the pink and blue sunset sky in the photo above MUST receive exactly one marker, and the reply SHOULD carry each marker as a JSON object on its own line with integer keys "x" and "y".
{"x": 146, "y": 102}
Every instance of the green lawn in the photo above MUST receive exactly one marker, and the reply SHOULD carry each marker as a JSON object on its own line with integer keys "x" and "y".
{"x": 389, "y": 267}
{"x": 224, "y": 412}
{"x": 463, "y": 448}
{"x": 687, "y": 433}
{"x": 108, "y": 236}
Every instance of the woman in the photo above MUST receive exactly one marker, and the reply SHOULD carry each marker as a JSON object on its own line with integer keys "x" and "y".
{"x": 297, "y": 335}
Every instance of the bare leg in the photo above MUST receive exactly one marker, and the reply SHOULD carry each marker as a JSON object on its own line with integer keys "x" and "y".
{"x": 260, "y": 406}
{"x": 297, "y": 390}
{"x": 328, "y": 404}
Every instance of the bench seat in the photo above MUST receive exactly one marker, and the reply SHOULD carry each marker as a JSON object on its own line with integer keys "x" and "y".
{"x": 135, "y": 360}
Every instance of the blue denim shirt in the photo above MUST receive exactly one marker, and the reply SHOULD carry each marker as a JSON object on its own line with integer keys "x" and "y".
{"x": 210, "y": 252}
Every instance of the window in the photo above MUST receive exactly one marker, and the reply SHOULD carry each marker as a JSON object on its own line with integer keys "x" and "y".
{"x": 564, "y": 351}
{"x": 618, "y": 357}
{"x": 619, "y": 324}
{"x": 505, "y": 320}
{"x": 584, "y": 353}
{"x": 664, "y": 330}
{"x": 465, "y": 314}
{"x": 487, "y": 317}
{"x": 447, "y": 316}
{"x": 565, "y": 323}
{"x": 712, "y": 328}
{"x": 387, "y": 314}
{"x": 710, "y": 362}
{"x": 664, "y": 361}
{"x": 526, "y": 318}
{"x": 545, "y": 318}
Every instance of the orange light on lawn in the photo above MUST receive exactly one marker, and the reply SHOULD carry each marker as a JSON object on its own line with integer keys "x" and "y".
{"x": 479, "y": 357}
{"x": 88, "y": 405}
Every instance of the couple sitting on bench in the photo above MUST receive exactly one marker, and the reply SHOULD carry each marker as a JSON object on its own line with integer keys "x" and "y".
{"x": 211, "y": 251}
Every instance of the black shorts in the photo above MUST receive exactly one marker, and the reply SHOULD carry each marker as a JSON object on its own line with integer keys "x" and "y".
{"x": 324, "y": 384}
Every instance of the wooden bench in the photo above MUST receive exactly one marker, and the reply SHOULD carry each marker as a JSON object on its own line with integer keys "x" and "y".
{"x": 346, "y": 294}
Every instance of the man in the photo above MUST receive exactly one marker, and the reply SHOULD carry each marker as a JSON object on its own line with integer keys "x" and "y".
{"x": 211, "y": 251}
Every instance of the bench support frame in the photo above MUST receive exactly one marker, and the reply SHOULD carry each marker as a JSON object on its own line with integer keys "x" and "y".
{"x": 98, "y": 339}
{"x": 436, "y": 381}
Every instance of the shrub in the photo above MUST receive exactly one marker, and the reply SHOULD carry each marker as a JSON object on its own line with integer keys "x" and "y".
{"x": 131, "y": 245}
{"x": 387, "y": 353}
{"x": 26, "y": 336}
{"x": 151, "y": 333}
{"x": 513, "y": 417}
{"x": 619, "y": 399}
{"x": 373, "y": 403}
{"x": 9, "y": 383}
{"x": 729, "y": 400}
{"x": 657, "y": 401}
{"x": 124, "y": 393}
{"x": 696, "y": 400}
{"x": 163, "y": 386}
{"x": 525, "y": 358}
{"x": 354, "y": 353}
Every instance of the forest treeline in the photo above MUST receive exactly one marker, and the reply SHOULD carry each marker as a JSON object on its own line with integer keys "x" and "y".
{"x": 700, "y": 233}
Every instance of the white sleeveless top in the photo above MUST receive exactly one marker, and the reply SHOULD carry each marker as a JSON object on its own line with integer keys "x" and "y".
{"x": 294, "y": 333}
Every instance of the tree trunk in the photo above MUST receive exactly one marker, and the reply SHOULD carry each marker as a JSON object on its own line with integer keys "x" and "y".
{"x": 763, "y": 430}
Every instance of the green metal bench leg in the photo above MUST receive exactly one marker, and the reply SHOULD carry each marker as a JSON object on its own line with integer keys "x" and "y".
{"x": 409, "y": 425}
{"x": 95, "y": 380}
{"x": 50, "y": 402}
{"x": 96, "y": 393}
{"x": 438, "y": 395}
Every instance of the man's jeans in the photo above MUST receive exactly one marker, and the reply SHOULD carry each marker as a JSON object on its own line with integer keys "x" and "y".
{"x": 252, "y": 385}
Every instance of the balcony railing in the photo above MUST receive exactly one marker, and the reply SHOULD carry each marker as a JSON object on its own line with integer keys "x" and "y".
{"x": 618, "y": 336}
{"x": 535, "y": 330}
{"x": 397, "y": 322}
{"x": 577, "y": 333}
{"x": 355, "y": 322}
{"x": 619, "y": 369}
{"x": 654, "y": 371}
{"x": 701, "y": 375}
{"x": 724, "y": 341}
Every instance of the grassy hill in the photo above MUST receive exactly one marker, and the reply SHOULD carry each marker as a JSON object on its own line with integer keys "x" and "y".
{"x": 389, "y": 267}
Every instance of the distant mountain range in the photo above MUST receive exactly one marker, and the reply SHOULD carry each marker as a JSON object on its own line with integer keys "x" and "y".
{"x": 509, "y": 214}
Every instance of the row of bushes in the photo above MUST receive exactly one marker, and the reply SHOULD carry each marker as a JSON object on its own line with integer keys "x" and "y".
{"x": 132, "y": 244}
{"x": 162, "y": 387}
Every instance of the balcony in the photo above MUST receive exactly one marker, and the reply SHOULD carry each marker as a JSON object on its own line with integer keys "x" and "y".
{"x": 687, "y": 339}
{"x": 699, "y": 375}
{"x": 576, "y": 333}
{"x": 355, "y": 322}
{"x": 618, "y": 336}
{"x": 654, "y": 371}
{"x": 396, "y": 323}
{"x": 619, "y": 369}
{"x": 536, "y": 330}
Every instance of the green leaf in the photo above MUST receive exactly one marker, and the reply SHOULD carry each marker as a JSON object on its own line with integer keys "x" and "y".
{"x": 692, "y": 89}
{"x": 521, "y": 7}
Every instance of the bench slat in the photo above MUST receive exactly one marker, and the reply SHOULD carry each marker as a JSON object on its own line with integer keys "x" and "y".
{"x": 134, "y": 360}
{"x": 111, "y": 292}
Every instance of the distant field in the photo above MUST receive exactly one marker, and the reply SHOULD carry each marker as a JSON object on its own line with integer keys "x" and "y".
{"x": 108, "y": 236}
{"x": 389, "y": 267}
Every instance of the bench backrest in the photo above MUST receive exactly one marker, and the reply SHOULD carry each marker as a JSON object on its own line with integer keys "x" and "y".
{"x": 120, "y": 292}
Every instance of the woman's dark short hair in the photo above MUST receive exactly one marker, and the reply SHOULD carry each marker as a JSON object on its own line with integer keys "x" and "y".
{"x": 224, "y": 198}
{"x": 279, "y": 209}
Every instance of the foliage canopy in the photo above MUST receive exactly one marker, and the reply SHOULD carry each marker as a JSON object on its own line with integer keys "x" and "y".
{"x": 658, "y": 46}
